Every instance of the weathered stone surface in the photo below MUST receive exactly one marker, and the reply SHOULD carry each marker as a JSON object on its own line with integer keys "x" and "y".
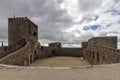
{"x": 21, "y": 28}
{"x": 55, "y": 49}
{"x": 101, "y": 50}
{"x": 23, "y": 42}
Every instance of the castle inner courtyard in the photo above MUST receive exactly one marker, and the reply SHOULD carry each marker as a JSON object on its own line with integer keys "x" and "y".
{"x": 60, "y": 62}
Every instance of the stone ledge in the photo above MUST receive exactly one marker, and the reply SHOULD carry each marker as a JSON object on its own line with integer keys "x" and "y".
{"x": 3, "y": 66}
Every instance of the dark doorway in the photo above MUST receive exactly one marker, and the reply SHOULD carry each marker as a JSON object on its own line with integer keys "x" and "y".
{"x": 35, "y": 55}
{"x": 98, "y": 57}
{"x": 53, "y": 52}
{"x": 93, "y": 56}
{"x": 30, "y": 58}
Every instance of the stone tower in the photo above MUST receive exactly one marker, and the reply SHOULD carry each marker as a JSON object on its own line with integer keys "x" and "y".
{"x": 21, "y": 28}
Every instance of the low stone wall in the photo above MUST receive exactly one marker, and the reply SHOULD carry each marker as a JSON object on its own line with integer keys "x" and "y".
{"x": 108, "y": 41}
{"x": 1, "y": 49}
{"x": 45, "y": 52}
{"x": 73, "y": 52}
{"x": 6, "y": 50}
{"x": 101, "y": 50}
{"x": 102, "y": 55}
{"x": 19, "y": 57}
{"x": 114, "y": 58}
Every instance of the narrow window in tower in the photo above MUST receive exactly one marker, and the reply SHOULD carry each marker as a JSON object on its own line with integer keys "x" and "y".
{"x": 34, "y": 34}
{"x": 98, "y": 57}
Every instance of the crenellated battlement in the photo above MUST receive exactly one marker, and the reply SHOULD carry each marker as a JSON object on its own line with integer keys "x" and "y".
{"x": 21, "y": 19}
{"x": 18, "y": 19}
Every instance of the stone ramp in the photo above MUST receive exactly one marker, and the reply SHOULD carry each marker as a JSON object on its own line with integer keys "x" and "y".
{"x": 18, "y": 57}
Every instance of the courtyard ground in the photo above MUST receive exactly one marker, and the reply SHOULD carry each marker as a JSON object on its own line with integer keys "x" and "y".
{"x": 60, "y": 62}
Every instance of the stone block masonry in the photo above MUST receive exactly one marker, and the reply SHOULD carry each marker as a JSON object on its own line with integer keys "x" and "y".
{"x": 23, "y": 47}
{"x": 19, "y": 57}
{"x": 101, "y": 50}
{"x": 21, "y": 28}
{"x": 55, "y": 49}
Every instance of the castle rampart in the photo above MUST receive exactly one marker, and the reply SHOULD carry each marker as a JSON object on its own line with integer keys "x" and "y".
{"x": 24, "y": 48}
{"x": 102, "y": 50}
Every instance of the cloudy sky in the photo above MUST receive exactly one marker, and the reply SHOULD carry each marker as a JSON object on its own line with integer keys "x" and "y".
{"x": 69, "y": 21}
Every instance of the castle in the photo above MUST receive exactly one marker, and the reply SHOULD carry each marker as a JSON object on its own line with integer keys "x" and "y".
{"x": 23, "y": 46}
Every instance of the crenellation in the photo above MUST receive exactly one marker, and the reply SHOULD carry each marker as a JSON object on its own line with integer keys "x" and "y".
{"x": 22, "y": 19}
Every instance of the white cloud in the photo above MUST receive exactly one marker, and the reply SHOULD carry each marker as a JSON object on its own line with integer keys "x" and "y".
{"x": 89, "y": 9}
{"x": 118, "y": 45}
{"x": 63, "y": 20}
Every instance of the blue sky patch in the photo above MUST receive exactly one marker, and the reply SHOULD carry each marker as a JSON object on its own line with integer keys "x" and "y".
{"x": 96, "y": 18}
{"x": 86, "y": 28}
{"x": 93, "y": 27}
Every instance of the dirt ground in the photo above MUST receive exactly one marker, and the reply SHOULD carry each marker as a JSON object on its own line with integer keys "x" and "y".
{"x": 60, "y": 62}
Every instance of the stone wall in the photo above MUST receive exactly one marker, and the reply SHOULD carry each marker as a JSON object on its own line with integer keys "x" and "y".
{"x": 45, "y": 52}
{"x": 21, "y": 28}
{"x": 55, "y": 49}
{"x": 35, "y": 53}
{"x": 16, "y": 30}
{"x": 106, "y": 55}
{"x": 73, "y": 52}
{"x": 109, "y": 41}
{"x": 102, "y": 51}
{"x": 6, "y": 50}
{"x": 23, "y": 46}
{"x": 19, "y": 57}
{"x": 1, "y": 49}
{"x": 23, "y": 56}
{"x": 32, "y": 31}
